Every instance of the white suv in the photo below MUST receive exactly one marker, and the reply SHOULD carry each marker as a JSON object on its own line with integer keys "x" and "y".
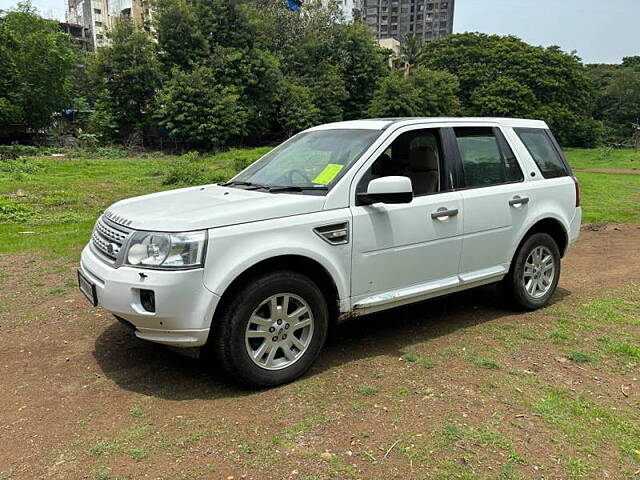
{"x": 341, "y": 220}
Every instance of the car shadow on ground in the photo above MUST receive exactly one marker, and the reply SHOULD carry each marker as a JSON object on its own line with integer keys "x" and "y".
{"x": 149, "y": 369}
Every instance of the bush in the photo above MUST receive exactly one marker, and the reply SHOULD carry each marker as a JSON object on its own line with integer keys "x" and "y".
{"x": 20, "y": 166}
{"x": 189, "y": 170}
{"x": 8, "y": 152}
{"x": 13, "y": 212}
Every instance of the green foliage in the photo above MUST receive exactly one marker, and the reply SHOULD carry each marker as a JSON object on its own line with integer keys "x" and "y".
{"x": 180, "y": 43}
{"x": 396, "y": 97}
{"x": 621, "y": 101}
{"x": 503, "y": 97}
{"x": 126, "y": 75}
{"x": 195, "y": 107}
{"x": 425, "y": 93}
{"x": 507, "y": 77}
{"x": 31, "y": 91}
{"x": 14, "y": 212}
{"x": 297, "y": 110}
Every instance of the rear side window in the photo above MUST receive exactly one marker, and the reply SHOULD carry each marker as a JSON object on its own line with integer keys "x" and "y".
{"x": 545, "y": 154}
{"x": 486, "y": 157}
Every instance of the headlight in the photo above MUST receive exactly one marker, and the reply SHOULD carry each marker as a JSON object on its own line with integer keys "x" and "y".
{"x": 167, "y": 250}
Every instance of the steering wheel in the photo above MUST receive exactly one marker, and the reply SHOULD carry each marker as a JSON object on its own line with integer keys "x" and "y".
{"x": 302, "y": 174}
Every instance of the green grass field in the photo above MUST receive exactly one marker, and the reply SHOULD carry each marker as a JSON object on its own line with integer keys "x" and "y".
{"x": 50, "y": 203}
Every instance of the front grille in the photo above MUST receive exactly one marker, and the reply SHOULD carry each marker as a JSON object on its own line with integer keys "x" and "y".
{"x": 108, "y": 240}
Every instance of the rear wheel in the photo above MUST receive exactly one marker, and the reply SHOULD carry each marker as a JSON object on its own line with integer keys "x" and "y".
{"x": 534, "y": 273}
{"x": 273, "y": 330}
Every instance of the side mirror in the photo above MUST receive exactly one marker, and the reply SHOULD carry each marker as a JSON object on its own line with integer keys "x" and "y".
{"x": 387, "y": 190}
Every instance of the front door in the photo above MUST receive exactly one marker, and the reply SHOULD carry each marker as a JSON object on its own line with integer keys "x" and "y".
{"x": 402, "y": 253}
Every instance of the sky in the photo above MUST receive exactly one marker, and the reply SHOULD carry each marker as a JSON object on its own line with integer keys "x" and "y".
{"x": 601, "y": 31}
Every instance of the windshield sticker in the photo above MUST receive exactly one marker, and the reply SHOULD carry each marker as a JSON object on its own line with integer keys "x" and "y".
{"x": 328, "y": 174}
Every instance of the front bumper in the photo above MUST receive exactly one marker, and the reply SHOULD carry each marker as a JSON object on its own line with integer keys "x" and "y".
{"x": 184, "y": 307}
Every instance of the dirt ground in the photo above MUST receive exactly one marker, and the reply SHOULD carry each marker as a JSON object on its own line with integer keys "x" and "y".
{"x": 81, "y": 397}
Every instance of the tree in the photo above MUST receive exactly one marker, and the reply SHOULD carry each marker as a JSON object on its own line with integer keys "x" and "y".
{"x": 195, "y": 107}
{"x": 362, "y": 64}
{"x": 507, "y": 76}
{"x": 37, "y": 60}
{"x": 411, "y": 52}
{"x": 505, "y": 97}
{"x": 297, "y": 111}
{"x": 127, "y": 76}
{"x": 621, "y": 102}
{"x": 438, "y": 92}
{"x": 426, "y": 93}
{"x": 180, "y": 41}
{"x": 396, "y": 97}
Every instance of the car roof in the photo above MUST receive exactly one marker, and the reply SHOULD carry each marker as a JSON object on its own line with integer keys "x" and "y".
{"x": 384, "y": 123}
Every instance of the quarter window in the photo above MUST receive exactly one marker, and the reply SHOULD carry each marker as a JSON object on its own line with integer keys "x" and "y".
{"x": 486, "y": 157}
{"x": 546, "y": 156}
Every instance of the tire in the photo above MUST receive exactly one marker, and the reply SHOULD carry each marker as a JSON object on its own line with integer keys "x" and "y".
{"x": 533, "y": 291}
{"x": 247, "y": 327}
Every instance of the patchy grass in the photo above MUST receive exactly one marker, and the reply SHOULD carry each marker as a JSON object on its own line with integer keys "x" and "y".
{"x": 367, "y": 390}
{"x": 583, "y": 158}
{"x": 484, "y": 362}
{"x": 607, "y": 197}
{"x": 580, "y": 357}
{"x": 50, "y": 204}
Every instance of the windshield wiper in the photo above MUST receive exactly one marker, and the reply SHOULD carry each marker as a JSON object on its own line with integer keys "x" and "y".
{"x": 295, "y": 188}
{"x": 237, "y": 183}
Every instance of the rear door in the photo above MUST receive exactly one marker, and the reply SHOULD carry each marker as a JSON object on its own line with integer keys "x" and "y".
{"x": 495, "y": 201}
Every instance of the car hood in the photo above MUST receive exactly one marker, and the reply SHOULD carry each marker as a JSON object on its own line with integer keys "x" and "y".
{"x": 209, "y": 206}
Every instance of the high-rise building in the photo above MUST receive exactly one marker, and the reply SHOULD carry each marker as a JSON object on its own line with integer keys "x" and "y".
{"x": 92, "y": 15}
{"x": 428, "y": 19}
{"x": 97, "y": 16}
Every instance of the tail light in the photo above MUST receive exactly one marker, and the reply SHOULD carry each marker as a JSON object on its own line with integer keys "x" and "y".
{"x": 577, "y": 184}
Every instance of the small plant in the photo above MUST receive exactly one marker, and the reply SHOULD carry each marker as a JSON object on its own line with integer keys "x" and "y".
{"x": 579, "y": 357}
{"x": 368, "y": 390}
{"x": 452, "y": 432}
{"x": 241, "y": 163}
{"x": 409, "y": 357}
{"x": 101, "y": 473}
{"x": 98, "y": 449}
{"x": 13, "y": 212}
{"x": 483, "y": 362}
{"x": 427, "y": 362}
{"x": 138, "y": 454}
{"x": 136, "y": 411}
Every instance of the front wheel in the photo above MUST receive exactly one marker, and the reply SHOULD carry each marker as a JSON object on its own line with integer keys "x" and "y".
{"x": 273, "y": 330}
{"x": 534, "y": 273}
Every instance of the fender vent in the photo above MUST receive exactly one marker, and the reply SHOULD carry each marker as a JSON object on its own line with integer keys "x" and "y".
{"x": 336, "y": 234}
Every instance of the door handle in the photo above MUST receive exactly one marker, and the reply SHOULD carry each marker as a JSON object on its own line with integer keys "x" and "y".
{"x": 444, "y": 213}
{"x": 515, "y": 201}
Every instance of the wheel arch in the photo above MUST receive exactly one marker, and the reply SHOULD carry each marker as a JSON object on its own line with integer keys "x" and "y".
{"x": 297, "y": 263}
{"x": 551, "y": 226}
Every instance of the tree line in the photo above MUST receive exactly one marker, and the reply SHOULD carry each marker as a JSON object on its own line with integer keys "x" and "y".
{"x": 214, "y": 73}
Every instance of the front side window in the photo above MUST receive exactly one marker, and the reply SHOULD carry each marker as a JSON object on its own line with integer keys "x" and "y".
{"x": 415, "y": 154}
{"x": 310, "y": 160}
{"x": 486, "y": 157}
{"x": 543, "y": 152}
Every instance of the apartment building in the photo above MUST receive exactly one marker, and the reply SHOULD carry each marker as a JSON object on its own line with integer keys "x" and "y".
{"x": 429, "y": 19}
{"x": 97, "y": 16}
{"x": 92, "y": 15}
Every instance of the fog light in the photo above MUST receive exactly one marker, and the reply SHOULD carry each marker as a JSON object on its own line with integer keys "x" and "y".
{"x": 148, "y": 300}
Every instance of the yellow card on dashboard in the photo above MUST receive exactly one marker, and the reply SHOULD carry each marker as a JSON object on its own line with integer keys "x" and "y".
{"x": 328, "y": 174}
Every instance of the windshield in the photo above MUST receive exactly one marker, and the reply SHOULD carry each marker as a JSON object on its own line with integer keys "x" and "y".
{"x": 307, "y": 162}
